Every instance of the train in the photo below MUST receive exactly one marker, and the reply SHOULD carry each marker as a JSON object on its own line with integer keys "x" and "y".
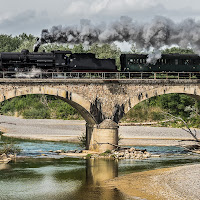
{"x": 66, "y": 61}
{"x": 55, "y": 61}
{"x": 167, "y": 63}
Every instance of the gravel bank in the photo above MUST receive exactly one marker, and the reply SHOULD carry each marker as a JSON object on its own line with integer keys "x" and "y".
{"x": 64, "y": 130}
{"x": 42, "y": 129}
{"x": 181, "y": 183}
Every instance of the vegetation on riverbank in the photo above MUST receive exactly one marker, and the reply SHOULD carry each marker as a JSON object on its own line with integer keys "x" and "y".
{"x": 151, "y": 110}
{"x": 155, "y": 109}
{"x": 9, "y": 148}
{"x": 39, "y": 107}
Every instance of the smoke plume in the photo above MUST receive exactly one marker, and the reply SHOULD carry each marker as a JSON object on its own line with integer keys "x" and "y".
{"x": 157, "y": 33}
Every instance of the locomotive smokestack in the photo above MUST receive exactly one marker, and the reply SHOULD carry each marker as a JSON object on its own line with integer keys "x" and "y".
{"x": 37, "y": 45}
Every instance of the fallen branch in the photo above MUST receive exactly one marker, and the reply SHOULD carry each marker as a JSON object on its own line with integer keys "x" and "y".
{"x": 188, "y": 129}
{"x": 7, "y": 123}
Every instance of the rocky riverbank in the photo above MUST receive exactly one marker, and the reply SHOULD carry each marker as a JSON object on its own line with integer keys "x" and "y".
{"x": 123, "y": 153}
{"x": 127, "y": 153}
{"x": 6, "y": 158}
{"x": 181, "y": 183}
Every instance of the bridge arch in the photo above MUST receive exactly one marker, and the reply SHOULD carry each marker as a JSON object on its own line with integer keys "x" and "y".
{"x": 75, "y": 100}
{"x": 141, "y": 96}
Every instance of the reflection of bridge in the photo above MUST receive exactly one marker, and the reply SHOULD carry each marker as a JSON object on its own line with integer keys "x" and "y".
{"x": 102, "y": 103}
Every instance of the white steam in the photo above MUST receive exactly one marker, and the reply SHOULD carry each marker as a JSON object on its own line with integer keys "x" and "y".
{"x": 153, "y": 57}
{"x": 34, "y": 72}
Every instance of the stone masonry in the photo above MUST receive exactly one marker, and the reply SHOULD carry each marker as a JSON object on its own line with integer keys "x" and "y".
{"x": 99, "y": 100}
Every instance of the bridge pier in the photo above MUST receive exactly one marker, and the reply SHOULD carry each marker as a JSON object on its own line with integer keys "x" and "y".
{"x": 100, "y": 137}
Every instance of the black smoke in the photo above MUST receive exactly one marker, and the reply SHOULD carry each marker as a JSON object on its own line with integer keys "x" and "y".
{"x": 159, "y": 32}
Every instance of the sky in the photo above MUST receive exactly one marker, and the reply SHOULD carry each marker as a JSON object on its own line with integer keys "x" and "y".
{"x": 18, "y": 16}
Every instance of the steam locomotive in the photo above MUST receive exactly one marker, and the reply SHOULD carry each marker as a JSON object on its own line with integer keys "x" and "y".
{"x": 66, "y": 61}
{"x": 56, "y": 61}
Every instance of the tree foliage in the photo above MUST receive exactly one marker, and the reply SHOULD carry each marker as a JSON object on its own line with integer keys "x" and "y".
{"x": 9, "y": 43}
{"x": 178, "y": 50}
{"x": 179, "y": 105}
{"x": 39, "y": 107}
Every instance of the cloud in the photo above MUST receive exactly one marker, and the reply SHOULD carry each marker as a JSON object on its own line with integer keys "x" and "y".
{"x": 35, "y": 15}
{"x": 139, "y": 9}
{"x": 100, "y": 8}
{"x": 28, "y": 21}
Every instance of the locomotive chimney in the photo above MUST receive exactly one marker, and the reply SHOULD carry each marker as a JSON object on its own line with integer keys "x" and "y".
{"x": 37, "y": 45}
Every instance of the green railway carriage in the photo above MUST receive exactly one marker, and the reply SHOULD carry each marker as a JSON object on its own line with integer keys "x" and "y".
{"x": 167, "y": 63}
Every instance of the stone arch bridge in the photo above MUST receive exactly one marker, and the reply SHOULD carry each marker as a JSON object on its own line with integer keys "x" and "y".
{"x": 102, "y": 103}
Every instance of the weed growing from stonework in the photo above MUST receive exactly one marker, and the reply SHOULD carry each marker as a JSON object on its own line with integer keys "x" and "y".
{"x": 82, "y": 139}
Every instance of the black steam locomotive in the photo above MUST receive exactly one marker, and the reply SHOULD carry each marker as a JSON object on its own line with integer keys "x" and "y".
{"x": 56, "y": 61}
{"x": 66, "y": 61}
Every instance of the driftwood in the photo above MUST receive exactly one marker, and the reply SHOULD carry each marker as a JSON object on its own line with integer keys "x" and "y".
{"x": 193, "y": 134}
{"x": 7, "y": 123}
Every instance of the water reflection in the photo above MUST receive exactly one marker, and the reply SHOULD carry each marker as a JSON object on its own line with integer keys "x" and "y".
{"x": 99, "y": 170}
{"x": 58, "y": 179}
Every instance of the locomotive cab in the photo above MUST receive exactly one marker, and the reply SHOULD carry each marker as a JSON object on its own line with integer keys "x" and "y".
{"x": 62, "y": 59}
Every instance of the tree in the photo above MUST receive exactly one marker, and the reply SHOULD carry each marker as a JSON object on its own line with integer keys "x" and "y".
{"x": 24, "y": 37}
{"x": 54, "y": 47}
{"x": 78, "y": 49}
{"x": 176, "y": 104}
{"x": 8, "y": 43}
{"x": 178, "y": 50}
{"x": 106, "y": 51}
{"x": 26, "y": 44}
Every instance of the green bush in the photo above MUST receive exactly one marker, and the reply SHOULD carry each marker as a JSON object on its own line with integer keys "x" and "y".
{"x": 34, "y": 113}
{"x": 9, "y": 149}
{"x": 82, "y": 139}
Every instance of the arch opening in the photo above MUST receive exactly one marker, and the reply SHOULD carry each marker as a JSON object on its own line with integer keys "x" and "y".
{"x": 75, "y": 100}
{"x": 153, "y": 110}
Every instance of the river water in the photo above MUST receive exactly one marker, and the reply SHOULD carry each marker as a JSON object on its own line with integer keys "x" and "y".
{"x": 53, "y": 177}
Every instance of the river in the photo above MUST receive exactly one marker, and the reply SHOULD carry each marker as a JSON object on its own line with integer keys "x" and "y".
{"x": 40, "y": 174}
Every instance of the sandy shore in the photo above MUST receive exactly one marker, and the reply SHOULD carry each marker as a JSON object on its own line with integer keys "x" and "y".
{"x": 69, "y": 130}
{"x": 178, "y": 183}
